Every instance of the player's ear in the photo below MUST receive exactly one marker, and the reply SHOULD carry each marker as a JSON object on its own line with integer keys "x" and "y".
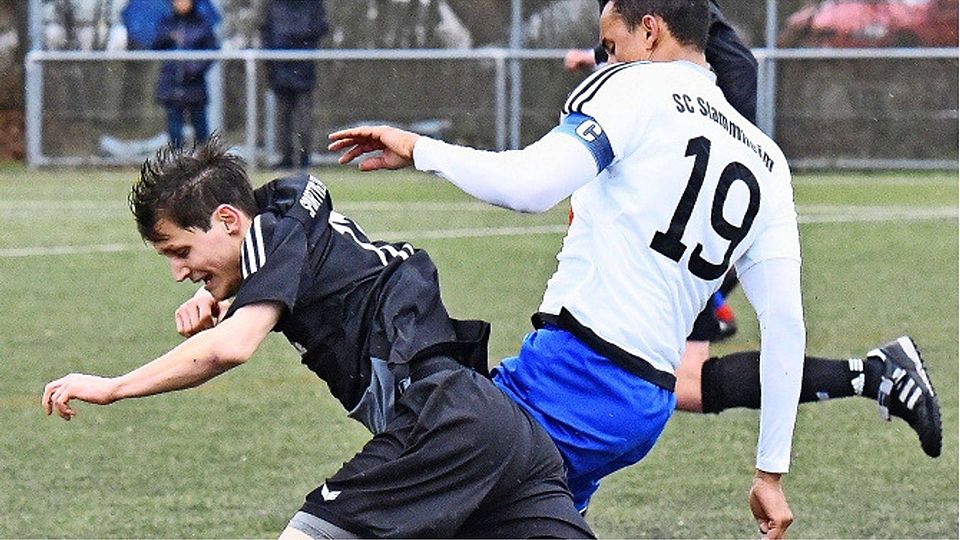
{"x": 650, "y": 27}
{"x": 227, "y": 216}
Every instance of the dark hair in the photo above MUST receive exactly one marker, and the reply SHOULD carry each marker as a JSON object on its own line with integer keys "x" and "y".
{"x": 688, "y": 20}
{"x": 185, "y": 187}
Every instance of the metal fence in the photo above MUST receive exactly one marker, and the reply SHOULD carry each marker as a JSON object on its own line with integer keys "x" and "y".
{"x": 859, "y": 108}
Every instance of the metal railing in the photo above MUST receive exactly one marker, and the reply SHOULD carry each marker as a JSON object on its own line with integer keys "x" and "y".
{"x": 769, "y": 57}
{"x": 506, "y": 85}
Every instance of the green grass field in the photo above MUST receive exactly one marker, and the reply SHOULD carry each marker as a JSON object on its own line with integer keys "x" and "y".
{"x": 234, "y": 458}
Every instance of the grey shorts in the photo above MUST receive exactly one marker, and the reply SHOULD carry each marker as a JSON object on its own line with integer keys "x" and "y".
{"x": 315, "y": 527}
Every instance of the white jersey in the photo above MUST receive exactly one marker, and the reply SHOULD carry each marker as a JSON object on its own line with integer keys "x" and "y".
{"x": 671, "y": 187}
{"x": 704, "y": 189}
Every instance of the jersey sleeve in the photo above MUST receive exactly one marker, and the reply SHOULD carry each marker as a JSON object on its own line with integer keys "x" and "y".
{"x": 601, "y": 113}
{"x": 530, "y": 180}
{"x": 773, "y": 289}
{"x": 271, "y": 260}
{"x": 277, "y": 245}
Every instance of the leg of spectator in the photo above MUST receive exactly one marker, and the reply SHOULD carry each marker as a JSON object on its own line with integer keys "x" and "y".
{"x": 175, "y": 125}
{"x": 285, "y": 105}
{"x": 303, "y": 126}
{"x": 198, "y": 118}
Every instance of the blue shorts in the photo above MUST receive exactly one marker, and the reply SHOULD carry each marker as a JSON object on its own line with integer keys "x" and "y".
{"x": 601, "y": 417}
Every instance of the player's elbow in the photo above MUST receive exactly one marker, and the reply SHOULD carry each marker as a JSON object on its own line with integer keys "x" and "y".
{"x": 790, "y": 322}
{"x": 229, "y": 352}
{"x": 531, "y": 206}
{"x": 788, "y": 329}
{"x": 530, "y": 195}
{"x": 236, "y": 339}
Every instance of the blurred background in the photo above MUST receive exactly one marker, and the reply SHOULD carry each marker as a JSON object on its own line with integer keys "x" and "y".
{"x": 844, "y": 83}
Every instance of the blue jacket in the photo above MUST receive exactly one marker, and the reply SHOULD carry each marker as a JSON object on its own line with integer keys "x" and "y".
{"x": 293, "y": 24}
{"x": 181, "y": 83}
{"x": 142, "y": 19}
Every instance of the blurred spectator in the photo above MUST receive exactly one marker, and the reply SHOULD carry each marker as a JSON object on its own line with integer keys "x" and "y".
{"x": 293, "y": 24}
{"x": 142, "y": 19}
{"x": 181, "y": 87}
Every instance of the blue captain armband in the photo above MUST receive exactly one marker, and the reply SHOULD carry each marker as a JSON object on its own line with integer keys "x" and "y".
{"x": 586, "y": 130}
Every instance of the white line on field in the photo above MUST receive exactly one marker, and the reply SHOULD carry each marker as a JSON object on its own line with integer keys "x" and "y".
{"x": 868, "y": 181}
{"x": 839, "y": 214}
{"x": 53, "y": 204}
{"x": 25, "y": 208}
{"x": 841, "y": 209}
{"x": 813, "y": 215}
{"x": 479, "y": 232}
{"x": 40, "y": 251}
{"x": 42, "y": 205}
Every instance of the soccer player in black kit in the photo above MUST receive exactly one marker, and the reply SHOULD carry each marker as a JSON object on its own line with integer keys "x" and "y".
{"x": 451, "y": 456}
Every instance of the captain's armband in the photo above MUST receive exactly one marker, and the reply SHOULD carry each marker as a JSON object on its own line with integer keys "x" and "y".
{"x": 586, "y": 130}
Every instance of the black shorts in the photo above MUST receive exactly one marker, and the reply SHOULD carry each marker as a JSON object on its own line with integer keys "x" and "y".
{"x": 460, "y": 459}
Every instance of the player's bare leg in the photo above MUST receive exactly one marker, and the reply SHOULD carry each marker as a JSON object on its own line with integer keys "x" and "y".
{"x": 688, "y": 390}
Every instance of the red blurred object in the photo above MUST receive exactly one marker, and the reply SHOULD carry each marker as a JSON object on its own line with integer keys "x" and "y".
{"x": 726, "y": 320}
{"x": 873, "y": 23}
{"x": 724, "y": 313}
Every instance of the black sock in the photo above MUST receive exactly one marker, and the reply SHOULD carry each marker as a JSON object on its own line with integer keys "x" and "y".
{"x": 734, "y": 380}
{"x": 730, "y": 381}
{"x": 873, "y": 371}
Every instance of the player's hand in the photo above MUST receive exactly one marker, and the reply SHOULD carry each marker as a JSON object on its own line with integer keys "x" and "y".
{"x": 577, "y": 59}
{"x": 395, "y": 146}
{"x": 89, "y": 388}
{"x": 198, "y": 313}
{"x": 769, "y": 505}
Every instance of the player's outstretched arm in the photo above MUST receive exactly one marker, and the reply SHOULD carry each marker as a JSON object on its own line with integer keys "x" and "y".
{"x": 769, "y": 505}
{"x": 530, "y": 180}
{"x": 395, "y": 146}
{"x": 193, "y": 362}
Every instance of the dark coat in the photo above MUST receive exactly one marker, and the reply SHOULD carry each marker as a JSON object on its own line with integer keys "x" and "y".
{"x": 181, "y": 83}
{"x": 293, "y": 24}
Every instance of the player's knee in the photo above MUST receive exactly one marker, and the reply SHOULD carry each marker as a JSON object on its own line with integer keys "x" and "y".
{"x": 688, "y": 388}
{"x": 688, "y": 400}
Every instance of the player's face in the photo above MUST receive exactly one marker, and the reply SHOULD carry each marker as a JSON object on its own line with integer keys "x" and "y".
{"x": 621, "y": 44}
{"x": 211, "y": 256}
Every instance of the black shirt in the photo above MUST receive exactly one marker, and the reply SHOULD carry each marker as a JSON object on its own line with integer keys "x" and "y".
{"x": 358, "y": 311}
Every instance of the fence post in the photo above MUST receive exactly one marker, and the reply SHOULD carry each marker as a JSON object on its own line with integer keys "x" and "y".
{"x": 500, "y": 103}
{"x": 269, "y": 127}
{"x": 35, "y": 25}
{"x": 250, "y": 70}
{"x": 33, "y": 85}
{"x": 766, "y": 101}
{"x": 516, "y": 104}
{"x": 33, "y": 99}
{"x": 215, "y": 80}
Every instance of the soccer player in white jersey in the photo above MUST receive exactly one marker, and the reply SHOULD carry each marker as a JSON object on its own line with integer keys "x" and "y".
{"x": 893, "y": 374}
{"x": 670, "y": 188}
